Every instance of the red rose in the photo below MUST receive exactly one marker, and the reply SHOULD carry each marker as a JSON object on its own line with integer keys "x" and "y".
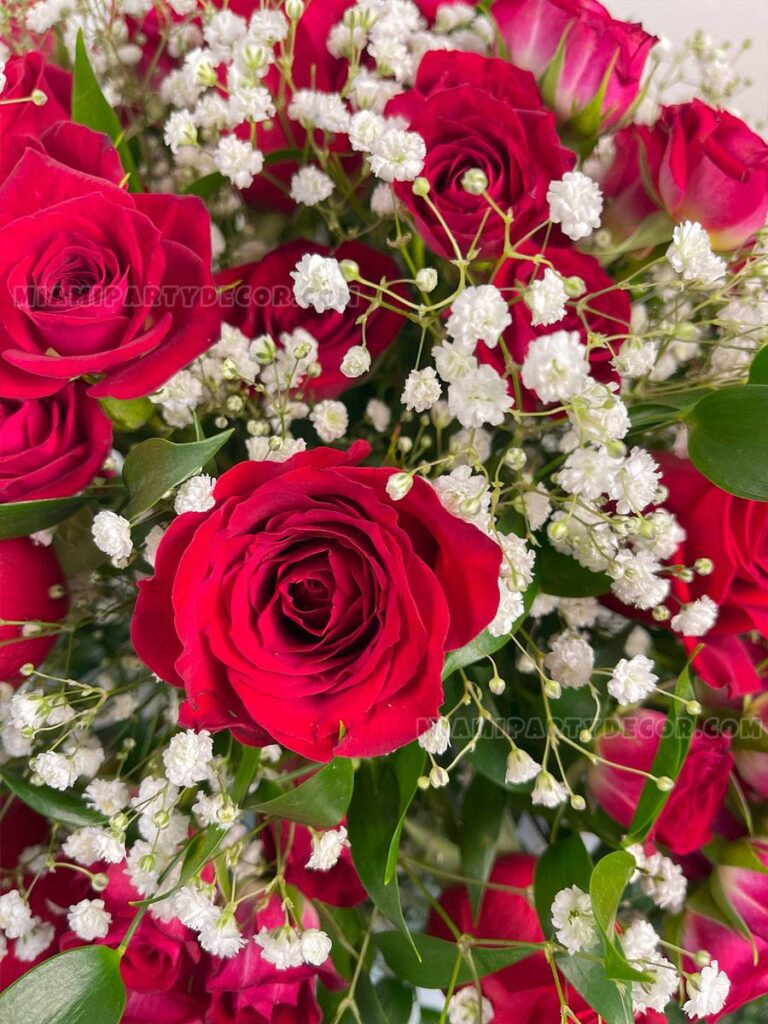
{"x": 247, "y": 988}
{"x": 27, "y": 573}
{"x": 480, "y": 112}
{"x": 51, "y": 447}
{"x": 22, "y": 121}
{"x": 70, "y": 144}
{"x": 733, "y": 533}
{"x": 264, "y": 303}
{"x": 524, "y": 993}
{"x": 580, "y": 54}
{"x": 695, "y": 164}
{"x": 308, "y": 608}
{"x": 608, "y": 313}
{"x": 94, "y": 280}
{"x": 685, "y": 824}
{"x": 734, "y": 954}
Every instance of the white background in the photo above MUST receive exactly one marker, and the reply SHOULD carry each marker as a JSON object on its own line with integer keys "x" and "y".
{"x": 732, "y": 20}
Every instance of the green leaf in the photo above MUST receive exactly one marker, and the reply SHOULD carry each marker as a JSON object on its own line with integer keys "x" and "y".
{"x": 21, "y": 518}
{"x": 373, "y": 821}
{"x": 485, "y": 644}
{"x": 321, "y": 801}
{"x": 588, "y": 977}
{"x": 408, "y": 765}
{"x": 66, "y": 808}
{"x": 758, "y": 371}
{"x": 396, "y": 1000}
{"x": 200, "y": 849}
{"x": 728, "y": 439}
{"x": 80, "y": 986}
{"x": 610, "y": 878}
{"x": 566, "y": 863}
{"x": 207, "y": 186}
{"x": 672, "y": 751}
{"x": 481, "y": 815}
{"x": 562, "y": 576}
{"x": 155, "y": 466}
{"x": 89, "y": 107}
{"x": 438, "y": 957}
{"x": 128, "y": 414}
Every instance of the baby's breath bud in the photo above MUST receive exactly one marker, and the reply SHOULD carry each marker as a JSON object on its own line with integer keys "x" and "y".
{"x": 118, "y": 822}
{"x": 574, "y": 287}
{"x": 264, "y": 349}
{"x": 558, "y": 530}
{"x": 398, "y": 485}
{"x": 661, "y": 495}
{"x": 497, "y": 686}
{"x": 426, "y": 279}
{"x": 578, "y": 803}
{"x": 703, "y": 566}
{"x": 27, "y": 669}
{"x": 422, "y": 782}
{"x": 420, "y": 187}
{"x": 99, "y": 882}
{"x": 686, "y": 575}
{"x": 515, "y": 458}
{"x": 39, "y": 98}
{"x": 147, "y": 862}
{"x": 314, "y": 370}
{"x": 552, "y": 689}
{"x": 702, "y": 958}
{"x": 57, "y": 591}
{"x": 235, "y": 404}
{"x": 349, "y": 269}
{"x": 438, "y": 777}
{"x": 693, "y": 707}
{"x": 161, "y": 819}
{"x": 687, "y": 332}
{"x": 585, "y": 736}
{"x": 474, "y": 181}
{"x": 294, "y": 9}
{"x": 405, "y": 444}
{"x": 660, "y": 613}
{"x": 229, "y": 369}
{"x": 664, "y": 784}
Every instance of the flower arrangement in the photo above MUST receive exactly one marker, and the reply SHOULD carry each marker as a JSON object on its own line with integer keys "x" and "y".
{"x": 383, "y": 516}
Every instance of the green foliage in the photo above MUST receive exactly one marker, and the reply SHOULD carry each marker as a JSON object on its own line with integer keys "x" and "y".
{"x": 728, "y": 439}
{"x": 80, "y": 986}
{"x": 21, "y": 518}
{"x": 65, "y": 808}
{"x": 430, "y": 962}
{"x": 321, "y": 801}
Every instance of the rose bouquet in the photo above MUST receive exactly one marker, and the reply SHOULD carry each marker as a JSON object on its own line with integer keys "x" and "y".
{"x": 383, "y": 517}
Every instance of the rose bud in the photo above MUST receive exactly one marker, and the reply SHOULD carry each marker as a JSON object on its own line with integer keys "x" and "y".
{"x": 31, "y": 592}
{"x": 589, "y": 65}
{"x": 685, "y": 824}
{"x": 696, "y": 163}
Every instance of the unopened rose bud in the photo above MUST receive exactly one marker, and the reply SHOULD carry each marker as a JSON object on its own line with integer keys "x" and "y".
{"x": 474, "y": 181}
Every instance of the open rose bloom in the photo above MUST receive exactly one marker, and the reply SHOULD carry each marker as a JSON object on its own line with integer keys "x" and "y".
{"x": 383, "y": 516}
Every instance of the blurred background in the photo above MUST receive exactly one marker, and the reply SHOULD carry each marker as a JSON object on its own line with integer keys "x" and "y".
{"x": 725, "y": 21}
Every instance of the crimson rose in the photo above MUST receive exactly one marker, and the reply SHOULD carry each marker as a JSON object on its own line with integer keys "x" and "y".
{"x": 733, "y": 533}
{"x": 28, "y": 572}
{"x": 96, "y": 281}
{"x": 309, "y": 608}
{"x": 685, "y": 824}
{"x": 479, "y": 112}
{"x": 695, "y": 163}
{"x": 263, "y": 303}
{"x": 70, "y": 144}
{"x": 51, "y": 447}
{"x": 580, "y": 53}
{"x": 21, "y": 121}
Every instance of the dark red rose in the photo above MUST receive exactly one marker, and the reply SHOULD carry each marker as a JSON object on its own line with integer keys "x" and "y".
{"x": 25, "y": 74}
{"x": 247, "y": 989}
{"x": 524, "y": 993}
{"x": 608, "y": 314}
{"x": 685, "y": 824}
{"x": 480, "y": 112}
{"x": 264, "y": 303}
{"x": 733, "y": 533}
{"x": 94, "y": 280}
{"x": 590, "y": 65}
{"x": 695, "y": 163}
{"x": 745, "y": 961}
{"x": 340, "y": 886}
{"x": 70, "y": 144}
{"x": 28, "y": 571}
{"x": 309, "y": 608}
{"x": 51, "y": 447}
